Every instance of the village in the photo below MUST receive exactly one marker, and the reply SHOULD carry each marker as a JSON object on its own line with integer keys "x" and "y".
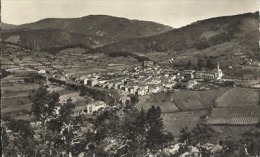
{"x": 144, "y": 79}
{"x": 99, "y": 79}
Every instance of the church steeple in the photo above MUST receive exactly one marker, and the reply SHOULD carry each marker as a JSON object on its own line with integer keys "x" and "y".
{"x": 219, "y": 72}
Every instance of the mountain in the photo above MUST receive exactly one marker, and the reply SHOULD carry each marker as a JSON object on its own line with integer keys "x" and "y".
{"x": 5, "y": 26}
{"x": 228, "y": 34}
{"x": 45, "y": 39}
{"x": 95, "y": 30}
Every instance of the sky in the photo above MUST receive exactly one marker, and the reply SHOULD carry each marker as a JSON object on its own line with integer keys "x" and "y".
{"x": 175, "y": 13}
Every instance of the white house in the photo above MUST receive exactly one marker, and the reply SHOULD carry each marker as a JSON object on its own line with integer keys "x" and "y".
{"x": 142, "y": 90}
{"x": 92, "y": 82}
{"x": 95, "y": 106}
{"x": 191, "y": 84}
{"x": 42, "y": 72}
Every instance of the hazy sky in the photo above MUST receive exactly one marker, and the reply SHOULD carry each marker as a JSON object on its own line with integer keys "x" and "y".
{"x": 175, "y": 13}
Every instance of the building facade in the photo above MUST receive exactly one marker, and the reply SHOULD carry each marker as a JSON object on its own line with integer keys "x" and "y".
{"x": 216, "y": 74}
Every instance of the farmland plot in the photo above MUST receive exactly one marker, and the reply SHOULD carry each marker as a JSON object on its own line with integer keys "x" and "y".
{"x": 73, "y": 95}
{"x": 173, "y": 122}
{"x": 238, "y": 97}
{"x": 239, "y": 115}
{"x": 166, "y": 107}
{"x": 189, "y": 104}
{"x": 147, "y": 101}
{"x": 195, "y": 100}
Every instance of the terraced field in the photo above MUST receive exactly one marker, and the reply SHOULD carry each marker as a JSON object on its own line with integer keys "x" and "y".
{"x": 233, "y": 120}
{"x": 238, "y": 97}
{"x": 15, "y": 96}
{"x": 16, "y": 109}
{"x": 237, "y": 111}
{"x": 239, "y": 115}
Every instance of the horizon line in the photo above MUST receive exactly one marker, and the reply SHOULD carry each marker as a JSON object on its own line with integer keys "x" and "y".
{"x": 63, "y": 18}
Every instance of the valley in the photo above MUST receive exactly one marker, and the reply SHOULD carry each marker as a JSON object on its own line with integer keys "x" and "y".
{"x": 108, "y": 74}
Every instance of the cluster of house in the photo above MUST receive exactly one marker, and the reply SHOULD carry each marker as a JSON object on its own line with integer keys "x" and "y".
{"x": 215, "y": 74}
{"x": 246, "y": 60}
{"x": 147, "y": 79}
{"x": 90, "y": 108}
{"x": 136, "y": 81}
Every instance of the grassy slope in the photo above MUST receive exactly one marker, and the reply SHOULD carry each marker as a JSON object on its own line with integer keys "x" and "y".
{"x": 238, "y": 97}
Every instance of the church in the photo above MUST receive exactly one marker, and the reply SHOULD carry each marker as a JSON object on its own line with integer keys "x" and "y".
{"x": 215, "y": 74}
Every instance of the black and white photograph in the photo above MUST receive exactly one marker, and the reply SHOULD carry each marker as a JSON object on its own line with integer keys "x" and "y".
{"x": 130, "y": 78}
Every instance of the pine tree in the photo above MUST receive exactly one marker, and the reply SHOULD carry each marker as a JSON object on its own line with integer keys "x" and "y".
{"x": 154, "y": 137}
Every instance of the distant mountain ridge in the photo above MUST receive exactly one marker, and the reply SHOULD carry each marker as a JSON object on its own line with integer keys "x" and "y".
{"x": 199, "y": 35}
{"x": 96, "y": 30}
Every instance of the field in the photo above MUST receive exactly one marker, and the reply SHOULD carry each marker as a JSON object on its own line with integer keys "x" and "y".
{"x": 195, "y": 100}
{"x": 73, "y": 95}
{"x": 190, "y": 104}
{"x": 181, "y": 100}
{"x": 77, "y": 62}
{"x": 237, "y": 106}
{"x": 239, "y": 115}
{"x": 236, "y": 111}
{"x": 60, "y": 90}
{"x": 233, "y": 132}
{"x": 238, "y": 97}
{"x": 188, "y": 108}
{"x": 147, "y": 101}
{"x": 166, "y": 107}
{"x": 173, "y": 122}
{"x": 15, "y": 97}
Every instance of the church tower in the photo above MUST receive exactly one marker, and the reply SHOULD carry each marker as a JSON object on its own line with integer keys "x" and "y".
{"x": 219, "y": 72}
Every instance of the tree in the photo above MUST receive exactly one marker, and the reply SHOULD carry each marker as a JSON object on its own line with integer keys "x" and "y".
{"x": 4, "y": 73}
{"x": 35, "y": 78}
{"x": 251, "y": 139}
{"x": 22, "y": 141}
{"x": 211, "y": 63}
{"x": 5, "y": 141}
{"x": 60, "y": 124}
{"x": 202, "y": 134}
{"x": 44, "y": 104}
{"x": 201, "y": 64}
{"x": 154, "y": 123}
{"x": 134, "y": 99}
{"x": 185, "y": 136}
{"x": 188, "y": 65}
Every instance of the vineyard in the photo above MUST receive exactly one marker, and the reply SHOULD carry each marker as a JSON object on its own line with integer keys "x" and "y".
{"x": 236, "y": 111}
{"x": 235, "y": 115}
{"x": 233, "y": 120}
